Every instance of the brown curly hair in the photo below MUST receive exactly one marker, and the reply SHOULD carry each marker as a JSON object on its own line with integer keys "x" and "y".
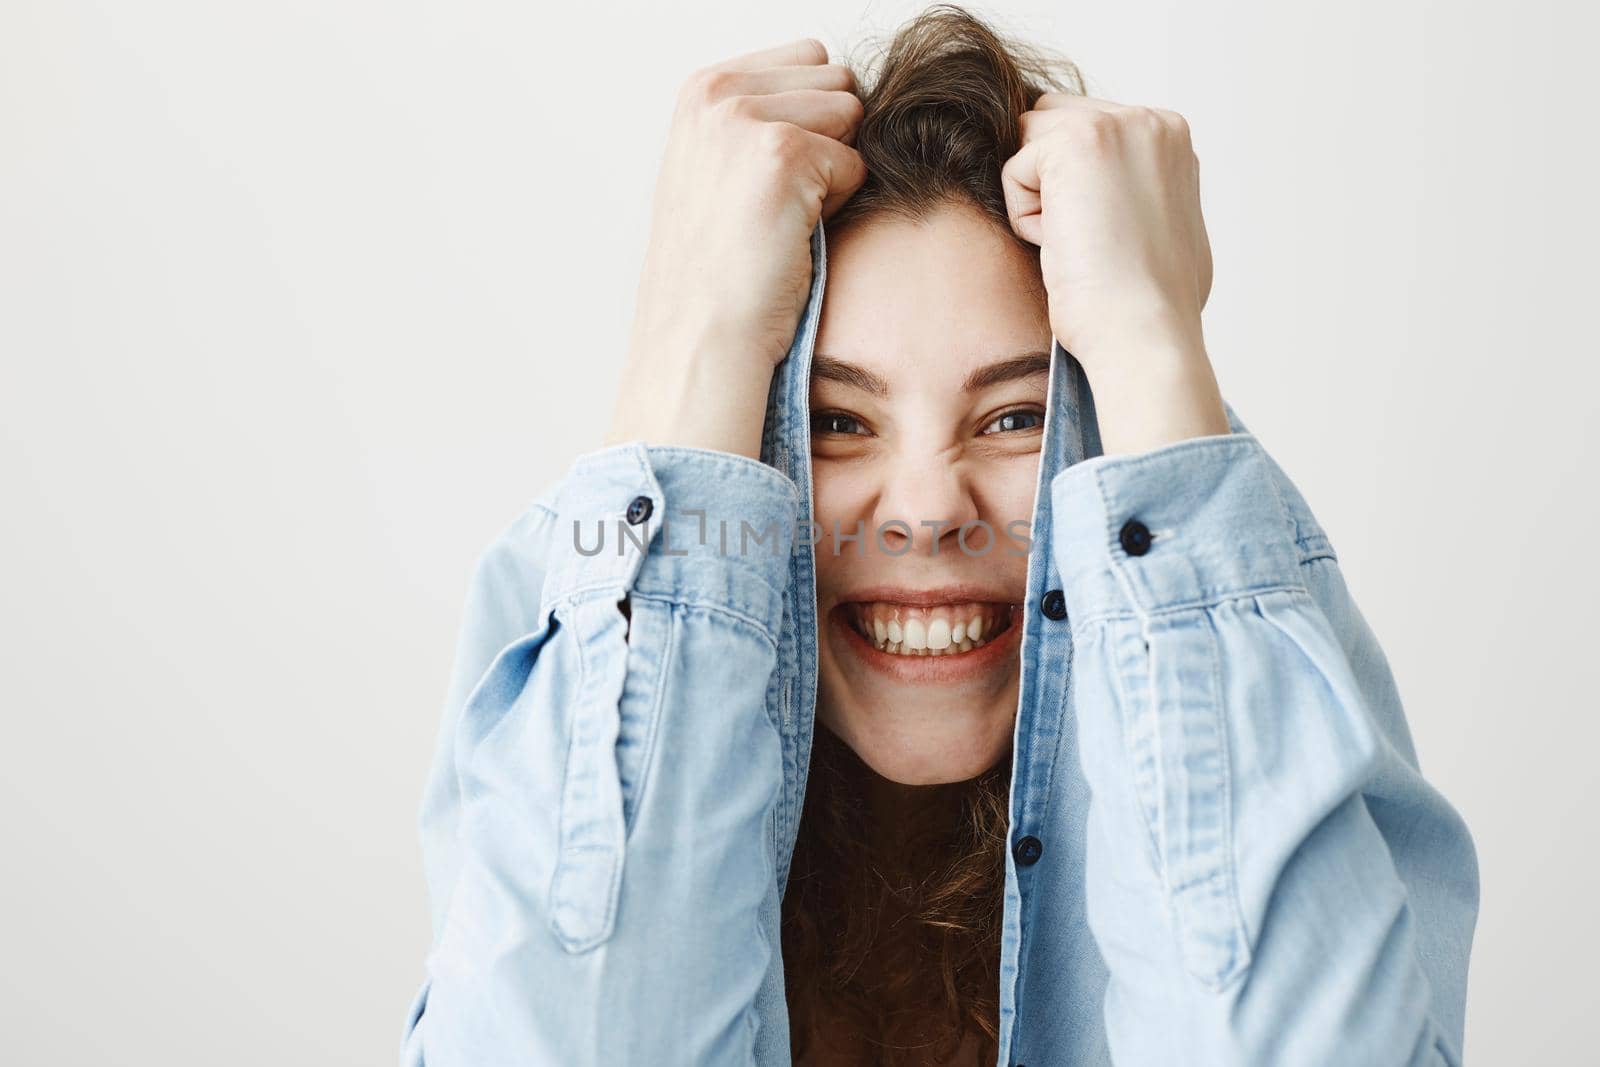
{"x": 891, "y": 935}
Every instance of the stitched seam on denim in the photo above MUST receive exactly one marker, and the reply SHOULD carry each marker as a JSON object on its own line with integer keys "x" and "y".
{"x": 717, "y": 609}
{"x": 1205, "y": 603}
{"x": 618, "y": 854}
{"x": 1109, "y": 645}
{"x": 564, "y": 850}
{"x": 750, "y": 1010}
{"x": 758, "y": 470}
{"x": 557, "y": 874}
{"x": 658, "y": 692}
{"x": 1120, "y": 576}
{"x": 1039, "y": 809}
{"x": 1230, "y": 860}
{"x": 1311, "y": 544}
{"x": 576, "y": 592}
{"x": 1233, "y": 442}
{"x": 1055, "y": 699}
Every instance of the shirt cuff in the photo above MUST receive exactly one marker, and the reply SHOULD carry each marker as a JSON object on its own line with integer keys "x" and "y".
{"x": 1187, "y": 524}
{"x": 693, "y": 525}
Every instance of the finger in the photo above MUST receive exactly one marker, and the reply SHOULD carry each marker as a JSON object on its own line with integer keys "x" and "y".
{"x": 833, "y": 76}
{"x": 833, "y": 114}
{"x": 1019, "y": 181}
{"x": 842, "y": 170}
{"x": 805, "y": 51}
{"x": 1053, "y": 100}
{"x": 1042, "y": 118}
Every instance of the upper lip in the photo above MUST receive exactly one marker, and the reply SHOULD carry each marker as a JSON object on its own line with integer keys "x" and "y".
{"x": 960, "y": 593}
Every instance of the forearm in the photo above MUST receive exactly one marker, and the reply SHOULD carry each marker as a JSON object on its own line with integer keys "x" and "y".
{"x": 697, "y": 388}
{"x": 1153, "y": 384}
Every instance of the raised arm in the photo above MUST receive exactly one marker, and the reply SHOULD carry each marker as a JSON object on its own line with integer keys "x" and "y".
{"x": 1271, "y": 880}
{"x": 599, "y": 824}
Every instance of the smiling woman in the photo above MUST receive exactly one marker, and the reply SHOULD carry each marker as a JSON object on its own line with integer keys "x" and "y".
{"x": 1061, "y": 740}
{"x": 932, "y": 447}
{"x": 928, "y": 393}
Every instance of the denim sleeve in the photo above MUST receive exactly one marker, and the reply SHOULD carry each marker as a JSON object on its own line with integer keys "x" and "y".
{"x": 1269, "y": 877}
{"x": 596, "y": 824}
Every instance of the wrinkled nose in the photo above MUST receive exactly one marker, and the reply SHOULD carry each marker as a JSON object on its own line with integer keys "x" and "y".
{"x": 924, "y": 505}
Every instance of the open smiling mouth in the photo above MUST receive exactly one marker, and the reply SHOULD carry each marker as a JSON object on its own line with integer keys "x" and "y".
{"x": 944, "y": 630}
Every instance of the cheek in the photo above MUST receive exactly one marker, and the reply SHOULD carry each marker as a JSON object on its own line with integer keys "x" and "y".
{"x": 833, "y": 488}
{"x": 834, "y": 499}
{"x": 1013, "y": 489}
{"x": 1008, "y": 490}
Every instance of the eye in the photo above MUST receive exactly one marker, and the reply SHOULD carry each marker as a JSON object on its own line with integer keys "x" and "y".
{"x": 1011, "y": 421}
{"x": 834, "y": 422}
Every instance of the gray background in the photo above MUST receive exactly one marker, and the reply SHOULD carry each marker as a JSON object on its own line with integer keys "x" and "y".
{"x": 301, "y": 301}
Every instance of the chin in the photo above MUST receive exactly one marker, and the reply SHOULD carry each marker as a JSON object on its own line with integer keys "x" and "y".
{"x": 919, "y": 720}
{"x": 930, "y": 746}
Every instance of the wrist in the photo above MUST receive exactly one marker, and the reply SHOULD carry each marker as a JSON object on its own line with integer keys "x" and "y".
{"x": 1154, "y": 392}
{"x": 703, "y": 395}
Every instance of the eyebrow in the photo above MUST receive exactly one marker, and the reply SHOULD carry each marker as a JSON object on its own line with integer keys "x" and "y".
{"x": 1014, "y": 368}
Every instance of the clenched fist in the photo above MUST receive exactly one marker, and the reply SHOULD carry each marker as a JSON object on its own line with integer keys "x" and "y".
{"x": 759, "y": 150}
{"x": 1111, "y": 195}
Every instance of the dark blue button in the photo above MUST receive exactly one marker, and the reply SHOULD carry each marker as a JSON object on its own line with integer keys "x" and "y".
{"x": 1028, "y": 850}
{"x": 639, "y": 510}
{"x": 1135, "y": 537}
{"x": 1054, "y": 605}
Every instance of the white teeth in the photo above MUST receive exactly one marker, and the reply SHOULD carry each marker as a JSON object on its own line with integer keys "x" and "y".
{"x": 909, "y": 648}
{"x": 935, "y": 631}
{"x": 916, "y": 635}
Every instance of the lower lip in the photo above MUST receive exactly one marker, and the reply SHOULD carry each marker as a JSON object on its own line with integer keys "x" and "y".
{"x": 931, "y": 670}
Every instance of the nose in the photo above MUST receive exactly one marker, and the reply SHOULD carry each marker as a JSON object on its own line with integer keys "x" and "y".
{"x": 924, "y": 504}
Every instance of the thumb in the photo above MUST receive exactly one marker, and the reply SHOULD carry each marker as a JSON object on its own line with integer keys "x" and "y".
{"x": 1019, "y": 181}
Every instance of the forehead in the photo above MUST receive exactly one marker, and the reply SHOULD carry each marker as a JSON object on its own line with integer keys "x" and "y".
{"x": 951, "y": 290}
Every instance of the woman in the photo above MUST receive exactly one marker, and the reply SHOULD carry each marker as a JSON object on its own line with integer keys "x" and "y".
{"x": 1107, "y": 766}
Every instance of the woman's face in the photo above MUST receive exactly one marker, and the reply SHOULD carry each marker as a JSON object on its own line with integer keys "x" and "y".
{"x": 927, "y": 412}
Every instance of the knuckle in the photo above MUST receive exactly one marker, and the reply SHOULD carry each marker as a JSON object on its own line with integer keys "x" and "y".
{"x": 694, "y": 84}
{"x": 1175, "y": 123}
{"x": 1149, "y": 119}
{"x": 1099, "y": 126}
{"x": 707, "y": 86}
{"x": 736, "y": 106}
{"x": 780, "y": 141}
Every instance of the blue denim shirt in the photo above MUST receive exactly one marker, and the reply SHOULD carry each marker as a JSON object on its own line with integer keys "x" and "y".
{"x": 1223, "y": 851}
